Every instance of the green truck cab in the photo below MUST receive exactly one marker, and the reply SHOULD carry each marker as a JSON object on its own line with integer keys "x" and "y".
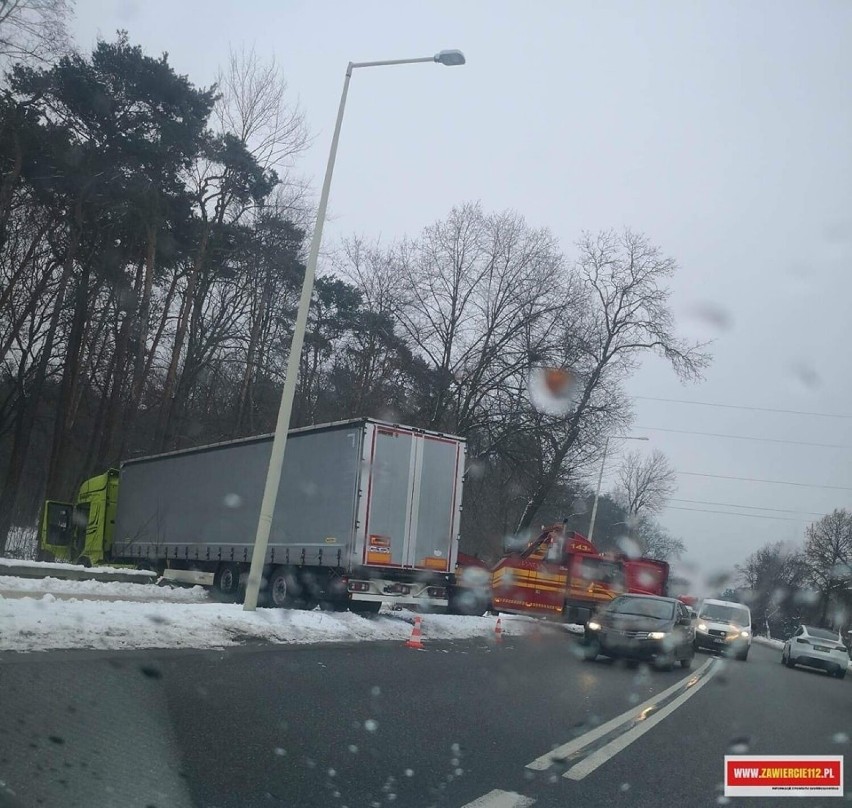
{"x": 81, "y": 532}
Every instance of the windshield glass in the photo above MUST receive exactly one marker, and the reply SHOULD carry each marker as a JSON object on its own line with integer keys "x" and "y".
{"x": 823, "y": 633}
{"x": 725, "y": 614}
{"x": 644, "y": 607}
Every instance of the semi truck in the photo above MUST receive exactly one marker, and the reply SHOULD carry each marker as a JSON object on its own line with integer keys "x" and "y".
{"x": 562, "y": 575}
{"x": 367, "y": 512}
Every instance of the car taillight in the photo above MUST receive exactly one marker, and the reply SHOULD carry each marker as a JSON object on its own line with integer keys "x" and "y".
{"x": 359, "y": 586}
{"x": 397, "y": 589}
{"x": 436, "y": 592}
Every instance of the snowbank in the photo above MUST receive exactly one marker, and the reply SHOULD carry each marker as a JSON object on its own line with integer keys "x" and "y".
{"x": 58, "y": 566}
{"x": 102, "y": 589}
{"x": 779, "y": 644}
{"x": 29, "y": 624}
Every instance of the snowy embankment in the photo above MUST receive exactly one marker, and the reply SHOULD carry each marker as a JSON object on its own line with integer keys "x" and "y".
{"x": 94, "y": 590}
{"x": 30, "y": 624}
{"x": 779, "y": 644}
{"x": 94, "y": 572}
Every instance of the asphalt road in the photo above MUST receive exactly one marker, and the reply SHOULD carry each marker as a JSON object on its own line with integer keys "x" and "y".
{"x": 379, "y": 724}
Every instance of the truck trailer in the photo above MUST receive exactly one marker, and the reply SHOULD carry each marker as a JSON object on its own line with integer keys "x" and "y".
{"x": 367, "y": 512}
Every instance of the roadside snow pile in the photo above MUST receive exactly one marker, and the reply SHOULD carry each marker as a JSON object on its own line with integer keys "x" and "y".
{"x": 779, "y": 644}
{"x": 101, "y": 589}
{"x": 575, "y": 628}
{"x": 59, "y": 566}
{"x": 28, "y": 624}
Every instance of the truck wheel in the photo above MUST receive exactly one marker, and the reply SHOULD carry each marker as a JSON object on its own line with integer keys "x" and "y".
{"x": 227, "y": 580}
{"x": 281, "y": 588}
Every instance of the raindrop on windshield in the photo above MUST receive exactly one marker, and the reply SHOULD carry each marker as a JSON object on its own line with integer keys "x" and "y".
{"x": 371, "y": 725}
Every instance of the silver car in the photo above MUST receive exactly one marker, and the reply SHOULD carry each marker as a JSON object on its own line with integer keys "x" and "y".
{"x": 816, "y": 648}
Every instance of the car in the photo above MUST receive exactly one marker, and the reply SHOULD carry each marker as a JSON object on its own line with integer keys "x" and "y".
{"x": 817, "y": 648}
{"x": 725, "y": 626}
{"x": 641, "y": 627}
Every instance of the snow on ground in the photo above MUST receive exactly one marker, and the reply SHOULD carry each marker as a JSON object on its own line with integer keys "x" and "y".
{"x": 59, "y": 566}
{"x": 30, "y": 624}
{"x": 779, "y": 644}
{"x": 100, "y": 589}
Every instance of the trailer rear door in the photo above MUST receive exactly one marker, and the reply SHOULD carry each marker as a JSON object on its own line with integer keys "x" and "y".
{"x": 413, "y": 499}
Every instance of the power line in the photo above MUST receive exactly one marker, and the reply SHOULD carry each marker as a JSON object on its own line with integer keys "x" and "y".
{"x": 731, "y": 513}
{"x": 743, "y": 407}
{"x": 744, "y": 437}
{"x": 748, "y": 507}
{"x": 757, "y": 480}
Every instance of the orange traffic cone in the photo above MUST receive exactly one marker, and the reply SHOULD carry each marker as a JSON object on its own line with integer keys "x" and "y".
{"x": 415, "y": 640}
{"x": 498, "y": 631}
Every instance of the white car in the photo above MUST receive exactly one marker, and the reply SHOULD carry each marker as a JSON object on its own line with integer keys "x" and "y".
{"x": 725, "y": 626}
{"x": 816, "y": 648}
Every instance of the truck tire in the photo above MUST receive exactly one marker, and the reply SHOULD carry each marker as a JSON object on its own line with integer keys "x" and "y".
{"x": 227, "y": 580}
{"x": 282, "y": 588}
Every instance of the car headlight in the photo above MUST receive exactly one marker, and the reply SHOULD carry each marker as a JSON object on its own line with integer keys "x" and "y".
{"x": 593, "y": 625}
{"x": 743, "y": 634}
{"x": 657, "y": 635}
{"x": 702, "y": 627}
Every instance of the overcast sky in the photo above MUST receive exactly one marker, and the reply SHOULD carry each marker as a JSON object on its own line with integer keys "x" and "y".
{"x": 722, "y": 130}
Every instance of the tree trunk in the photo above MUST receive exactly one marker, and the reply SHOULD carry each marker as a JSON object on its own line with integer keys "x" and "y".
{"x": 169, "y": 388}
{"x": 26, "y": 419}
{"x": 142, "y": 326}
{"x": 59, "y": 445}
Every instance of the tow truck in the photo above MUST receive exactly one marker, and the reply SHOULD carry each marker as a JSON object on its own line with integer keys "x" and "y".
{"x": 562, "y": 575}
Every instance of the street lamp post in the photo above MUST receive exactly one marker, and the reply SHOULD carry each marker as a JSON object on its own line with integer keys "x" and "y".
{"x": 449, "y": 58}
{"x": 600, "y": 480}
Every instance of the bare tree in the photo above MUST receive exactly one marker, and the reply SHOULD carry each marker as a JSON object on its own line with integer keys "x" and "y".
{"x": 255, "y": 107}
{"x": 479, "y": 287}
{"x": 828, "y": 555}
{"x": 645, "y": 483}
{"x": 620, "y": 313}
{"x": 655, "y": 541}
{"x": 34, "y": 31}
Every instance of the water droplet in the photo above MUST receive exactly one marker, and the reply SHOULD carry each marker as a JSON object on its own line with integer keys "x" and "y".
{"x": 455, "y": 749}
{"x": 232, "y": 500}
{"x": 332, "y": 773}
{"x": 409, "y": 772}
{"x": 375, "y": 690}
{"x": 840, "y": 737}
{"x": 739, "y": 746}
{"x": 625, "y": 786}
{"x": 458, "y": 772}
{"x": 552, "y": 390}
{"x": 371, "y": 725}
{"x": 280, "y": 752}
{"x": 353, "y": 748}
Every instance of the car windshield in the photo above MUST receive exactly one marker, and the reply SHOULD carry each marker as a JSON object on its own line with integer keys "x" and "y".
{"x": 823, "y": 633}
{"x": 725, "y": 614}
{"x": 643, "y": 607}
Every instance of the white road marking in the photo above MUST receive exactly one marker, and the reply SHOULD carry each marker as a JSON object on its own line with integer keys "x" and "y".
{"x": 501, "y": 799}
{"x": 589, "y": 764}
{"x": 561, "y": 752}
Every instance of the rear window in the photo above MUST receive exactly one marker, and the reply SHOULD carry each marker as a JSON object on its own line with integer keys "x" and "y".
{"x": 823, "y": 633}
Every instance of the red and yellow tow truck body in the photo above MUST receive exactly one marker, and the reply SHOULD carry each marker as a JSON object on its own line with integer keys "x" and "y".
{"x": 562, "y": 575}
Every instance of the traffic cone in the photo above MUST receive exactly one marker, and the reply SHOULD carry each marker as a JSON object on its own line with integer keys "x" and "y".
{"x": 415, "y": 640}
{"x": 498, "y": 631}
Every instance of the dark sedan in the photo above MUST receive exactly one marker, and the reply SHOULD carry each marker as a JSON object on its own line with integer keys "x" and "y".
{"x": 642, "y": 627}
